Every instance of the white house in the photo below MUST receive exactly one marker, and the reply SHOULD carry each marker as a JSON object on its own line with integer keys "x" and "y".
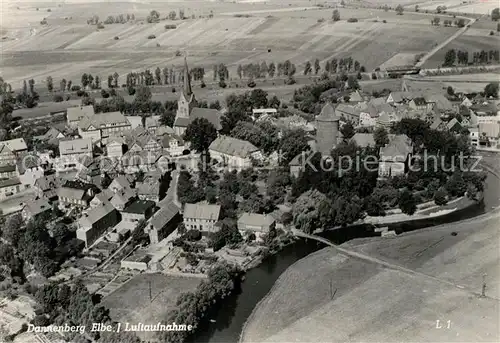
{"x": 234, "y": 153}
{"x": 201, "y": 217}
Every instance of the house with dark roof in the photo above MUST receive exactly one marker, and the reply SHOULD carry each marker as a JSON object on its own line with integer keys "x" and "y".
{"x": 173, "y": 144}
{"x": 395, "y": 157}
{"x": 201, "y": 217}
{"x": 46, "y": 186}
{"x": 76, "y": 194}
{"x": 234, "y": 153}
{"x": 34, "y": 208}
{"x": 138, "y": 210}
{"x": 188, "y": 110}
{"x": 115, "y": 148}
{"x": 94, "y": 223}
{"x": 420, "y": 104}
{"x": 163, "y": 223}
{"x": 8, "y": 171}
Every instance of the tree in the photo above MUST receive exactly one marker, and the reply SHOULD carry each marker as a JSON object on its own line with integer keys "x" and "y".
{"x": 407, "y": 202}
{"x": 347, "y": 131}
{"x": 97, "y": 82}
{"x": 306, "y": 211}
{"x": 110, "y": 81}
{"x": 69, "y": 84}
{"x": 271, "y": 69}
{"x": 115, "y": 79}
{"x": 292, "y": 143}
{"x": 399, "y": 9}
{"x": 201, "y": 133}
{"x": 441, "y": 197}
{"x": 142, "y": 98}
{"x": 435, "y": 21}
{"x": 227, "y": 235}
{"x": 307, "y": 68}
{"x": 239, "y": 71}
{"x": 154, "y": 17}
{"x": 317, "y": 67}
{"x": 449, "y": 58}
{"x": 336, "y": 15}
{"x": 491, "y": 90}
{"x": 450, "y": 91}
{"x": 172, "y": 15}
{"x": 50, "y": 84}
{"x": 62, "y": 85}
{"x": 495, "y": 14}
{"x": 12, "y": 230}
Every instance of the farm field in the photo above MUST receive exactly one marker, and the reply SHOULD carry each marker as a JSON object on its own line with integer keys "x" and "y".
{"x": 130, "y": 303}
{"x": 66, "y": 48}
{"x": 470, "y": 43}
{"x": 389, "y": 305}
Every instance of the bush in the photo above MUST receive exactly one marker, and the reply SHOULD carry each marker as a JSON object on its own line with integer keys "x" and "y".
{"x": 352, "y": 20}
{"x": 203, "y": 85}
{"x": 170, "y": 27}
{"x": 222, "y": 84}
{"x": 80, "y": 92}
{"x": 75, "y": 88}
{"x": 320, "y": 20}
{"x": 384, "y": 21}
{"x": 100, "y": 26}
{"x": 68, "y": 97}
{"x": 104, "y": 93}
{"x": 151, "y": 37}
{"x": 116, "y": 38}
{"x": 290, "y": 81}
{"x": 492, "y": 33}
{"x": 58, "y": 98}
{"x": 131, "y": 90}
{"x": 251, "y": 84}
{"x": 441, "y": 197}
{"x": 173, "y": 89}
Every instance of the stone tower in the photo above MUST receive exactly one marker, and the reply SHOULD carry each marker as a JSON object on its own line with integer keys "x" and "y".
{"x": 327, "y": 128}
{"x": 186, "y": 100}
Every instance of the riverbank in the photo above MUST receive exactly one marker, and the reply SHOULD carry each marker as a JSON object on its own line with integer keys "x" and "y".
{"x": 319, "y": 296}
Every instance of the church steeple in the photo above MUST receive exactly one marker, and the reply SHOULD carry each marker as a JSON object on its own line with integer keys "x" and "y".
{"x": 187, "y": 80}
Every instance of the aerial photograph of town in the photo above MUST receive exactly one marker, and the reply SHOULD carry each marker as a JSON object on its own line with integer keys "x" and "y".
{"x": 247, "y": 171}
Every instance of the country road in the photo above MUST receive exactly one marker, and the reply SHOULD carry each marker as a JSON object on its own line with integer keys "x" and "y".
{"x": 446, "y": 42}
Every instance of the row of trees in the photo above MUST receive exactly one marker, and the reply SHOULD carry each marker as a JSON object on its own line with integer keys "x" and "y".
{"x": 448, "y": 22}
{"x": 262, "y": 70}
{"x": 74, "y": 305}
{"x": 460, "y": 57}
{"x": 28, "y": 96}
{"x": 193, "y": 307}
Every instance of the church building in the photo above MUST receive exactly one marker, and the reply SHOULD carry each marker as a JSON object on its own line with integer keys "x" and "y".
{"x": 188, "y": 110}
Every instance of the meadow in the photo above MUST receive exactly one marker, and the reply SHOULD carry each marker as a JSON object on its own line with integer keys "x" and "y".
{"x": 272, "y": 32}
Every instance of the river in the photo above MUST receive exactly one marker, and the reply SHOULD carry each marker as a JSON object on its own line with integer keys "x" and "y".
{"x": 235, "y": 310}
